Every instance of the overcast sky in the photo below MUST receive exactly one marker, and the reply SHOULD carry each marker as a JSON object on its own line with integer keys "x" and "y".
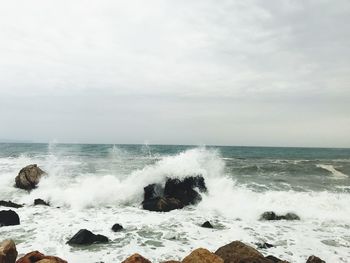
{"x": 176, "y": 72}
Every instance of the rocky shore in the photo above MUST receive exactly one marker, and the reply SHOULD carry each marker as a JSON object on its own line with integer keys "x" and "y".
{"x": 174, "y": 194}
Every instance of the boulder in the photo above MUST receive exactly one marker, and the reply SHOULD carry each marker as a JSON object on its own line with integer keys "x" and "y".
{"x": 136, "y": 258}
{"x": 314, "y": 259}
{"x": 40, "y": 202}
{"x": 28, "y": 177}
{"x": 162, "y": 204}
{"x": 238, "y": 252}
{"x": 117, "y": 227}
{"x": 272, "y": 216}
{"x": 36, "y": 256}
{"x": 86, "y": 237}
{"x": 10, "y": 204}
{"x": 207, "y": 224}
{"x": 8, "y": 251}
{"x": 202, "y": 255}
{"x": 9, "y": 218}
{"x": 175, "y": 195}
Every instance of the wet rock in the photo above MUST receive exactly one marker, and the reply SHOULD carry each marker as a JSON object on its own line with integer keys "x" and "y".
{"x": 117, "y": 227}
{"x": 40, "y": 202}
{"x": 207, "y": 224}
{"x": 10, "y": 204}
{"x": 264, "y": 245}
{"x": 273, "y": 259}
{"x": 36, "y": 256}
{"x": 136, "y": 258}
{"x": 202, "y": 255}
{"x": 86, "y": 237}
{"x": 162, "y": 204}
{"x": 8, "y": 251}
{"x": 175, "y": 195}
{"x": 9, "y": 218}
{"x": 314, "y": 259}
{"x": 29, "y": 177}
{"x": 238, "y": 252}
{"x": 272, "y": 216}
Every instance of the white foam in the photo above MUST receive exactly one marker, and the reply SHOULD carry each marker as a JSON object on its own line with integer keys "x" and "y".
{"x": 336, "y": 174}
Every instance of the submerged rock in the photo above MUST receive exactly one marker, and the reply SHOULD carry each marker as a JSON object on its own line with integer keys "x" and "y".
{"x": 264, "y": 245}
{"x": 202, "y": 255}
{"x": 314, "y": 259}
{"x": 136, "y": 258}
{"x": 10, "y": 204}
{"x": 175, "y": 195}
{"x": 9, "y": 218}
{"x": 8, "y": 251}
{"x": 40, "y": 202}
{"x": 237, "y": 252}
{"x": 207, "y": 224}
{"x": 117, "y": 227}
{"x": 272, "y": 216}
{"x": 28, "y": 177}
{"x": 86, "y": 237}
{"x": 36, "y": 256}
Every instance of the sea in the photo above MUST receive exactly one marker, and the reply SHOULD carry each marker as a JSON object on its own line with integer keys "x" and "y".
{"x": 94, "y": 186}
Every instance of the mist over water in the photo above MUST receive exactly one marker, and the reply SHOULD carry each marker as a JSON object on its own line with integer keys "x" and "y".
{"x": 96, "y": 186}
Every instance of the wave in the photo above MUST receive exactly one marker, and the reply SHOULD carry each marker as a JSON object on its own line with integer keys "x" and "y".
{"x": 330, "y": 168}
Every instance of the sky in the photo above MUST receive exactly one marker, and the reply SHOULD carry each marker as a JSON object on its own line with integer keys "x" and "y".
{"x": 265, "y": 73}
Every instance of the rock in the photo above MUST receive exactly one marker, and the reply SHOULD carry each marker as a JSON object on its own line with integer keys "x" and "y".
{"x": 314, "y": 259}
{"x": 28, "y": 177}
{"x": 264, "y": 245}
{"x": 162, "y": 204}
{"x": 8, "y": 218}
{"x": 8, "y": 251}
{"x": 238, "y": 252}
{"x": 36, "y": 256}
{"x": 273, "y": 259}
{"x": 86, "y": 237}
{"x": 272, "y": 216}
{"x": 171, "y": 261}
{"x": 175, "y": 195}
{"x": 207, "y": 224}
{"x": 202, "y": 255}
{"x": 136, "y": 258}
{"x": 117, "y": 227}
{"x": 40, "y": 202}
{"x": 10, "y": 204}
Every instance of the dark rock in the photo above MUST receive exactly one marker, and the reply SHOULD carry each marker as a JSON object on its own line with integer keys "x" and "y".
{"x": 86, "y": 237}
{"x": 264, "y": 245}
{"x": 10, "y": 204}
{"x": 40, "y": 202}
{"x": 238, "y": 252}
{"x": 272, "y": 216}
{"x": 314, "y": 259}
{"x": 207, "y": 225}
{"x": 28, "y": 177}
{"x": 162, "y": 204}
{"x": 184, "y": 190}
{"x": 8, "y": 218}
{"x": 117, "y": 227}
{"x": 273, "y": 259}
{"x": 175, "y": 195}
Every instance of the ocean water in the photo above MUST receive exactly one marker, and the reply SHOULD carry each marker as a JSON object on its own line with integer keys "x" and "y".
{"x": 96, "y": 186}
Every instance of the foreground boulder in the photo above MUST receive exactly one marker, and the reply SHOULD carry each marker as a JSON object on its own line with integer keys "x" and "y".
{"x": 136, "y": 258}
{"x": 272, "y": 216}
{"x": 202, "y": 255}
{"x": 238, "y": 252}
{"x": 10, "y": 204}
{"x": 9, "y": 218}
{"x": 8, "y": 252}
{"x": 28, "y": 177}
{"x": 174, "y": 195}
{"x": 314, "y": 259}
{"x": 36, "y": 256}
{"x": 86, "y": 237}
